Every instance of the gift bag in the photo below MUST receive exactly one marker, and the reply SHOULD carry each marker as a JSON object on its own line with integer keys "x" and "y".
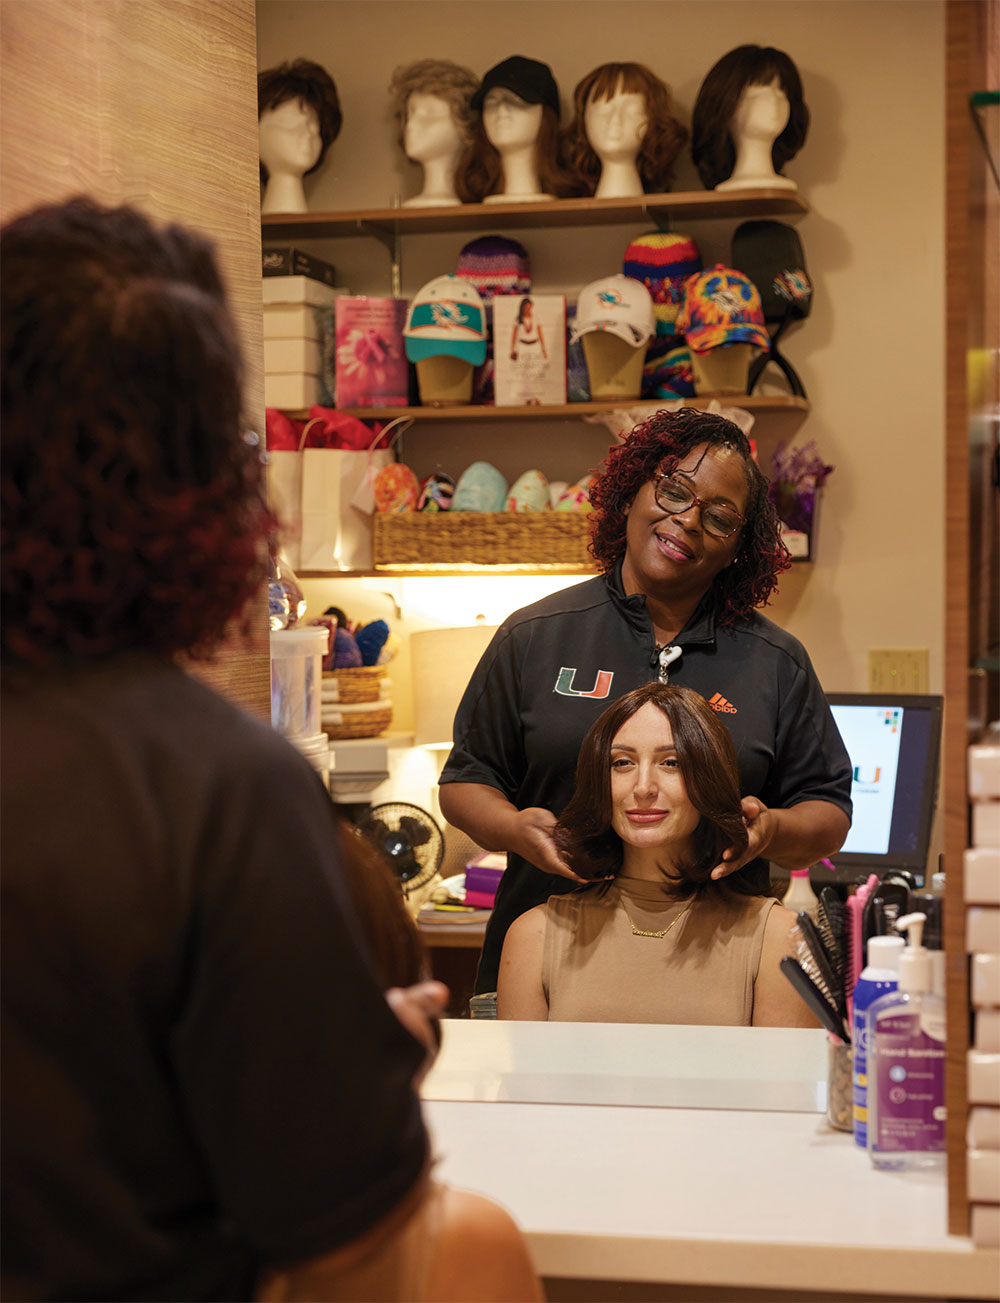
{"x": 325, "y": 500}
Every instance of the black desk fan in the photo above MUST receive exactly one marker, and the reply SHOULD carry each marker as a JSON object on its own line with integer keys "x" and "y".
{"x": 770, "y": 253}
{"x": 411, "y": 842}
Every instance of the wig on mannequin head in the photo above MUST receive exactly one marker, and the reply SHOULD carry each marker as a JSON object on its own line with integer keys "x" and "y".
{"x": 663, "y": 140}
{"x": 480, "y": 169}
{"x": 313, "y": 87}
{"x": 448, "y": 81}
{"x": 712, "y": 147}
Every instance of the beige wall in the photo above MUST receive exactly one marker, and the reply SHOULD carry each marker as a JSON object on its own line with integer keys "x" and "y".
{"x": 872, "y": 169}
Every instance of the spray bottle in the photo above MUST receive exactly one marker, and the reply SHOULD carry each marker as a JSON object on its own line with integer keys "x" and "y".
{"x": 906, "y": 1110}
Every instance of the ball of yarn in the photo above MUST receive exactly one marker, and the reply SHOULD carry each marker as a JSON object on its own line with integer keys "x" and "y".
{"x": 436, "y": 493}
{"x": 346, "y": 652}
{"x": 480, "y": 487}
{"x": 370, "y": 640}
{"x": 396, "y": 488}
{"x": 529, "y": 492}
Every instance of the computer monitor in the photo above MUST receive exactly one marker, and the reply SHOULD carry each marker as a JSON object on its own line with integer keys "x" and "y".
{"x": 893, "y": 742}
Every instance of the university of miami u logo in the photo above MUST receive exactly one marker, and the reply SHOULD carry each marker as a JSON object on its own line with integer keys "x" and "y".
{"x": 564, "y": 684}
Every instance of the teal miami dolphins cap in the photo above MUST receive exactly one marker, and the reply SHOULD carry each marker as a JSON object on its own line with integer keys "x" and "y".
{"x": 447, "y": 316}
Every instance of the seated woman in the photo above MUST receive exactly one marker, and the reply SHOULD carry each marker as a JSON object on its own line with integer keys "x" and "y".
{"x": 654, "y": 939}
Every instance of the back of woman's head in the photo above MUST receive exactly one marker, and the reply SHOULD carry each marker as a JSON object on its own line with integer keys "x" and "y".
{"x": 707, "y": 759}
{"x": 659, "y": 444}
{"x": 133, "y": 507}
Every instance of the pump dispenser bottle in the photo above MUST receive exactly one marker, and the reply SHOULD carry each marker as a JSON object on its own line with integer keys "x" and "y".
{"x": 878, "y": 978}
{"x": 906, "y": 1111}
{"x": 800, "y": 895}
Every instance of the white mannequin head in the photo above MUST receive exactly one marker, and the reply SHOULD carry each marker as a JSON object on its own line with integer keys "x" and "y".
{"x": 615, "y": 126}
{"x": 289, "y": 139}
{"x": 761, "y": 114}
{"x": 510, "y": 122}
{"x": 299, "y": 117}
{"x": 430, "y": 100}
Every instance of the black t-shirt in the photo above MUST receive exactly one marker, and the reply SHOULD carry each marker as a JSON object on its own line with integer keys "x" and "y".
{"x": 200, "y": 1074}
{"x": 553, "y": 668}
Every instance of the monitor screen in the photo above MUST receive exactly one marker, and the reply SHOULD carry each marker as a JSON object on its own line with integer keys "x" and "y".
{"x": 893, "y": 742}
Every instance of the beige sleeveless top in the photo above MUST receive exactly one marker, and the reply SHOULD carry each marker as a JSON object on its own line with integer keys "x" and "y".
{"x": 595, "y": 969}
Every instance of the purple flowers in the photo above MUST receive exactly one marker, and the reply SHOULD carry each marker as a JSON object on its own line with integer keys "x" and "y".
{"x": 796, "y": 474}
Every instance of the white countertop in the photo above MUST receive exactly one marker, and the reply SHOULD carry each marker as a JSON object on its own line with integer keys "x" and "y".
{"x": 687, "y": 1195}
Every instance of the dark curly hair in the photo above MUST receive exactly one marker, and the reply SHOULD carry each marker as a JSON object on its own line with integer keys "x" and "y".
{"x": 311, "y": 85}
{"x": 658, "y": 444}
{"x": 663, "y": 140}
{"x": 712, "y": 148}
{"x": 133, "y": 510}
{"x": 707, "y": 759}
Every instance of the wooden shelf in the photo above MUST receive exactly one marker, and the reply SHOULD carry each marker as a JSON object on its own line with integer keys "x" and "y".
{"x": 751, "y": 402}
{"x": 390, "y": 222}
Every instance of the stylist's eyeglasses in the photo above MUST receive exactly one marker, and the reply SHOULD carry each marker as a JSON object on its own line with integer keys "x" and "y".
{"x": 720, "y": 519}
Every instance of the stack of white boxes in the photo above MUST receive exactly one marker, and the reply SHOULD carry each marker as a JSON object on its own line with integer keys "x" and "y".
{"x": 298, "y": 290}
{"x": 982, "y": 933}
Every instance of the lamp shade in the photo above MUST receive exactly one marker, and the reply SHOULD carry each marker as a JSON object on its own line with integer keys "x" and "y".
{"x": 442, "y": 661}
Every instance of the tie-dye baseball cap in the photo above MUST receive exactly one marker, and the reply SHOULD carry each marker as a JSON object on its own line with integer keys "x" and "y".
{"x": 721, "y": 306}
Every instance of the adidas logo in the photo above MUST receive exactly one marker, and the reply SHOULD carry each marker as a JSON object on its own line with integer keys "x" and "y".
{"x": 719, "y": 702}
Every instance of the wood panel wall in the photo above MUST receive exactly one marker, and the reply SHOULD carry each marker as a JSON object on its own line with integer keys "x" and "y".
{"x": 971, "y": 233}
{"x": 151, "y": 104}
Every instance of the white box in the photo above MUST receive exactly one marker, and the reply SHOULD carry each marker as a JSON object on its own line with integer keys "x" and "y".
{"x": 986, "y": 1225}
{"x": 291, "y": 390}
{"x": 984, "y": 1078}
{"x": 983, "y": 1130}
{"x": 985, "y": 823}
{"x": 982, "y": 930}
{"x": 529, "y": 349}
{"x": 292, "y": 355}
{"x": 982, "y": 875}
{"x": 298, "y": 289}
{"x": 984, "y": 771}
{"x": 982, "y": 1176}
{"x": 985, "y": 981}
{"x": 986, "y": 1032}
{"x": 290, "y": 321}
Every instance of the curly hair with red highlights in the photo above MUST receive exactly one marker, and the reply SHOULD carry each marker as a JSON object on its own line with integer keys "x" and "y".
{"x": 659, "y": 444}
{"x": 133, "y": 508}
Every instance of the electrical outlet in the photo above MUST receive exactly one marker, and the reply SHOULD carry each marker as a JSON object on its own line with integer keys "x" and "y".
{"x": 897, "y": 670}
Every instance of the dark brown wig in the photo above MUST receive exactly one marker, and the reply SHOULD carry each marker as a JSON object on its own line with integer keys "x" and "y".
{"x": 480, "y": 169}
{"x": 133, "y": 508}
{"x": 663, "y": 140}
{"x": 659, "y": 444}
{"x": 707, "y": 759}
{"x": 712, "y": 147}
{"x": 311, "y": 85}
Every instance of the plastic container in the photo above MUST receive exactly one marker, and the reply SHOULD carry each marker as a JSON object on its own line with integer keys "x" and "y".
{"x": 800, "y": 895}
{"x": 317, "y": 751}
{"x": 878, "y": 978}
{"x": 296, "y": 676}
{"x": 906, "y": 1038}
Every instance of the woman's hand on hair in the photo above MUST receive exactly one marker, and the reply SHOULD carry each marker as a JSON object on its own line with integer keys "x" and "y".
{"x": 419, "y": 1009}
{"x": 536, "y": 844}
{"x": 761, "y": 825}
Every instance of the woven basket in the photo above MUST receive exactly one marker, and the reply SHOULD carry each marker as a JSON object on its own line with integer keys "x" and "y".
{"x": 531, "y": 539}
{"x": 358, "y": 683}
{"x": 360, "y": 720}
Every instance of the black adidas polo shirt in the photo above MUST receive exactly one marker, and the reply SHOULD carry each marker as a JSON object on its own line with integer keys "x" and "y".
{"x": 553, "y": 667}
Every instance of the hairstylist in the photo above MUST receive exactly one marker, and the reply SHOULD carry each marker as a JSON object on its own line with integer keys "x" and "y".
{"x": 689, "y": 546}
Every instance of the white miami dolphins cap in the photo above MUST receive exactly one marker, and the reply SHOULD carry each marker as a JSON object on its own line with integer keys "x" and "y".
{"x": 447, "y": 316}
{"x": 617, "y": 305}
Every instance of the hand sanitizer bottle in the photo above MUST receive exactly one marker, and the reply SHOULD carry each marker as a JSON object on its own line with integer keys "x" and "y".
{"x": 906, "y": 1046}
{"x": 878, "y": 978}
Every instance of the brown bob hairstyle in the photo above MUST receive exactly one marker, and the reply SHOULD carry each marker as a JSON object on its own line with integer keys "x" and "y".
{"x": 707, "y": 759}
{"x": 659, "y": 444}
{"x": 313, "y": 86}
{"x": 712, "y": 146}
{"x": 133, "y": 506}
{"x": 480, "y": 169}
{"x": 663, "y": 140}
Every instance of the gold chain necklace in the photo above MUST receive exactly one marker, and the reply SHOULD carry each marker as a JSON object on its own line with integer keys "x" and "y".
{"x": 642, "y": 932}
